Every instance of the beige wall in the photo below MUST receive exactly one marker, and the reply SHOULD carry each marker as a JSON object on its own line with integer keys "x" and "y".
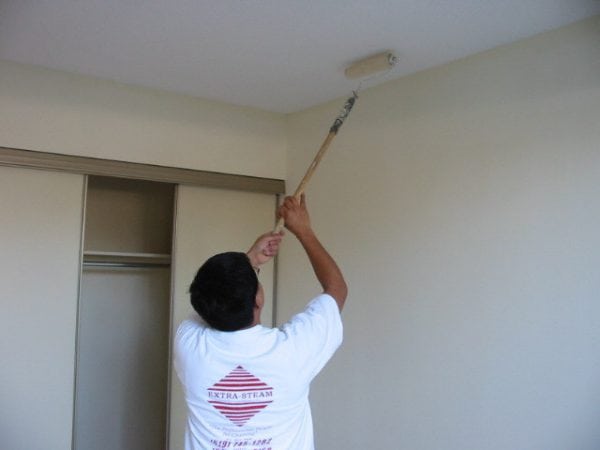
{"x": 52, "y": 111}
{"x": 463, "y": 204}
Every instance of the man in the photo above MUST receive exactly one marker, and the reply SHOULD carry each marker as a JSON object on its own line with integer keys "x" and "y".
{"x": 246, "y": 386}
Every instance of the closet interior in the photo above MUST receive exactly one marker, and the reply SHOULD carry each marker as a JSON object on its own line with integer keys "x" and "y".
{"x": 121, "y": 399}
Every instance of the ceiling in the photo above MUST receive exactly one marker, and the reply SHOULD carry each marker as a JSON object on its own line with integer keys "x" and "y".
{"x": 276, "y": 55}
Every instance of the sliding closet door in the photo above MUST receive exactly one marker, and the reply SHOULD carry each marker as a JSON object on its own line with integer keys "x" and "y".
{"x": 210, "y": 221}
{"x": 40, "y": 234}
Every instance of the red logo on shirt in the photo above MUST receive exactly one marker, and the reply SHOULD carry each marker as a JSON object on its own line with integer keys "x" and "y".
{"x": 240, "y": 396}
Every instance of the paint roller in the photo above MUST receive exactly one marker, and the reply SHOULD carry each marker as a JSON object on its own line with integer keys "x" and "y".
{"x": 364, "y": 68}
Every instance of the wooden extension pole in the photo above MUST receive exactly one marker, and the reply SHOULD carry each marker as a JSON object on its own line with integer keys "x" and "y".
{"x": 319, "y": 156}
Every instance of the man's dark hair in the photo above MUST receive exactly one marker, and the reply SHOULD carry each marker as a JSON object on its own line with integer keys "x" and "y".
{"x": 224, "y": 291}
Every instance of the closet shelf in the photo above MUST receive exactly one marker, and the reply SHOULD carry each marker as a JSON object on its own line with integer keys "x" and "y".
{"x": 125, "y": 259}
{"x": 95, "y": 253}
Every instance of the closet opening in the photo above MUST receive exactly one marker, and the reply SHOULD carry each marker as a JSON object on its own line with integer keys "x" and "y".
{"x": 122, "y": 379}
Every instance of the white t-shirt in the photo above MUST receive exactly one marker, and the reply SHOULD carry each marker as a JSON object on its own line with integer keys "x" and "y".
{"x": 248, "y": 389}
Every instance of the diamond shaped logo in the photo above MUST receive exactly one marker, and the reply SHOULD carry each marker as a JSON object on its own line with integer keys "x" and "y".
{"x": 239, "y": 396}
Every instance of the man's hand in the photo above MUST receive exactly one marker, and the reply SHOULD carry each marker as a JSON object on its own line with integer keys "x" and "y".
{"x": 295, "y": 215}
{"x": 264, "y": 249}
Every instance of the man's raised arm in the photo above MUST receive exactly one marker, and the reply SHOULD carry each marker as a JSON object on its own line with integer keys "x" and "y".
{"x": 297, "y": 220}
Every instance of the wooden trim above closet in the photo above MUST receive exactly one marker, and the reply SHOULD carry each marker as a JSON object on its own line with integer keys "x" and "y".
{"x": 122, "y": 169}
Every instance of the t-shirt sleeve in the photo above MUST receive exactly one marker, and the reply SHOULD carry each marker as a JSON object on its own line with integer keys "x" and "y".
{"x": 315, "y": 334}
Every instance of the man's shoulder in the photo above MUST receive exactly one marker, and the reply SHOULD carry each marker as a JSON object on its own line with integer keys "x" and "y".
{"x": 192, "y": 324}
{"x": 321, "y": 313}
{"x": 323, "y": 305}
{"x": 314, "y": 335}
{"x": 325, "y": 301}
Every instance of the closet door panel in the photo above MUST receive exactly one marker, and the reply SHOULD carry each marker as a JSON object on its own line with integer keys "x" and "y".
{"x": 40, "y": 235}
{"x": 210, "y": 221}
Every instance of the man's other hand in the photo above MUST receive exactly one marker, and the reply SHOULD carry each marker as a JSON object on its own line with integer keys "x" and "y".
{"x": 264, "y": 249}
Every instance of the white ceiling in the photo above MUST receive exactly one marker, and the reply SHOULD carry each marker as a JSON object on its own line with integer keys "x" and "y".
{"x": 277, "y": 55}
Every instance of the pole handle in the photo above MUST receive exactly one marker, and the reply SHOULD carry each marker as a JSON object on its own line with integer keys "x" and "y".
{"x": 338, "y": 122}
{"x": 308, "y": 175}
